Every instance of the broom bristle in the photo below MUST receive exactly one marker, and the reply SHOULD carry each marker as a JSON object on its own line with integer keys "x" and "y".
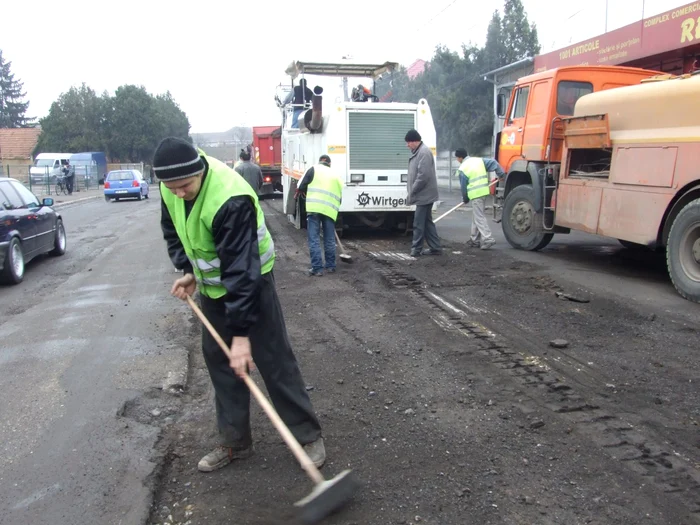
{"x": 327, "y": 497}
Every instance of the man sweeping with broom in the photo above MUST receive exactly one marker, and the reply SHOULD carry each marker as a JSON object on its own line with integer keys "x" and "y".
{"x": 215, "y": 231}
{"x": 324, "y": 193}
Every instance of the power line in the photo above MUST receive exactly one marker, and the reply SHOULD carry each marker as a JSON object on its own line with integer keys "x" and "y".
{"x": 437, "y": 15}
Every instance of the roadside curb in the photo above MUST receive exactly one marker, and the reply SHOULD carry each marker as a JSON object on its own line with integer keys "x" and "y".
{"x": 76, "y": 201}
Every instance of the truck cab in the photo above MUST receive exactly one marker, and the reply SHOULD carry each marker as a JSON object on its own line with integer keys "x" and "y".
{"x": 533, "y": 136}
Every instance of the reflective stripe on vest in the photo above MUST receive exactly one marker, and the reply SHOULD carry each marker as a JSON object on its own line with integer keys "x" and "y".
{"x": 323, "y": 194}
{"x": 475, "y": 171}
{"x": 195, "y": 230}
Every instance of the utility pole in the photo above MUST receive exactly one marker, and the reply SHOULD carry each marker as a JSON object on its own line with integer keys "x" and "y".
{"x": 606, "y": 16}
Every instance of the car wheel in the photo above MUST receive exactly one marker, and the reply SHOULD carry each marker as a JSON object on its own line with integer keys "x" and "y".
{"x": 145, "y": 196}
{"x": 13, "y": 272}
{"x": 107, "y": 199}
{"x": 140, "y": 195}
{"x": 59, "y": 244}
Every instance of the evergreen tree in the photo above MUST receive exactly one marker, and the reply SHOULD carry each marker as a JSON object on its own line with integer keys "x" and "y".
{"x": 13, "y": 108}
{"x": 460, "y": 99}
{"x": 519, "y": 37}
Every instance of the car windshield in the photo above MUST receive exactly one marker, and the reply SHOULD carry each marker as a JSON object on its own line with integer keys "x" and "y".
{"x": 120, "y": 175}
{"x": 42, "y": 163}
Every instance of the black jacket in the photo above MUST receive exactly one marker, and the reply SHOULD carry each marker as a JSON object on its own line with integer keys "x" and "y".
{"x": 234, "y": 229}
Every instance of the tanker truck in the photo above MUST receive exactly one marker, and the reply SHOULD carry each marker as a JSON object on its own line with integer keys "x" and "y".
{"x": 364, "y": 139}
{"x": 629, "y": 170}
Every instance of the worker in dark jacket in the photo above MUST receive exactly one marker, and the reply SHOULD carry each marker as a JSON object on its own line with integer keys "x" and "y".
{"x": 423, "y": 192}
{"x": 324, "y": 194}
{"x": 216, "y": 234}
{"x": 300, "y": 97}
{"x": 250, "y": 172}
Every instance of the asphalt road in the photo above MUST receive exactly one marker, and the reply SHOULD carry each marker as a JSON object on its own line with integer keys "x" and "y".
{"x": 433, "y": 378}
{"x": 436, "y": 381}
{"x": 82, "y": 337}
{"x": 597, "y": 264}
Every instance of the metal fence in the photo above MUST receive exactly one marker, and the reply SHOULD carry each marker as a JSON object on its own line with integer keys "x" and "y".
{"x": 86, "y": 177}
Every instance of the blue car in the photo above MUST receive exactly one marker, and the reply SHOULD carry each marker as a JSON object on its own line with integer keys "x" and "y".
{"x": 125, "y": 184}
{"x": 28, "y": 228}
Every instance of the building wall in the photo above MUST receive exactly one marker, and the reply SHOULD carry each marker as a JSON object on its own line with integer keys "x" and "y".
{"x": 16, "y": 168}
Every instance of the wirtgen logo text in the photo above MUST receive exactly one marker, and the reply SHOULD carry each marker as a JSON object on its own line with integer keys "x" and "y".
{"x": 364, "y": 199}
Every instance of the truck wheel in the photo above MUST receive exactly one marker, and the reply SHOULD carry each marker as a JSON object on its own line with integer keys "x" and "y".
{"x": 683, "y": 252}
{"x": 522, "y": 226}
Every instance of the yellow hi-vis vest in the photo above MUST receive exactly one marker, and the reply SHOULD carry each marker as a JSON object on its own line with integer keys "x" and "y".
{"x": 475, "y": 171}
{"x": 195, "y": 230}
{"x": 324, "y": 193}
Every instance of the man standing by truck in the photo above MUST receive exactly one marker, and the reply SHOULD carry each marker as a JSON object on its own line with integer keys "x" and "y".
{"x": 423, "y": 192}
{"x": 324, "y": 193}
{"x": 474, "y": 183}
{"x": 250, "y": 172}
{"x": 215, "y": 232}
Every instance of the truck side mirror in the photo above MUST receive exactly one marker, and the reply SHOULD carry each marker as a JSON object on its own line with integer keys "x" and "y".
{"x": 501, "y": 105}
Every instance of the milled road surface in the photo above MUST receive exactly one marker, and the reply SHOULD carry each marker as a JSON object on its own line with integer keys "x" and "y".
{"x": 436, "y": 383}
{"x": 82, "y": 336}
{"x": 434, "y": 380}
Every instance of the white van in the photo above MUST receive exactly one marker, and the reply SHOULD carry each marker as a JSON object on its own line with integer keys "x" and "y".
{"x": 50, "y": 163}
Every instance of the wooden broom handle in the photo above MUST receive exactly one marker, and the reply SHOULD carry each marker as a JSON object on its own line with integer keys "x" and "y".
{"x": 291, "y": 441}
{"x": 338, "y": 239}
{"x": 447, "y": 212}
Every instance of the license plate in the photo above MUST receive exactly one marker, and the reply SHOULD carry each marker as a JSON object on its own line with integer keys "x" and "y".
{"x": 121, "y": 191}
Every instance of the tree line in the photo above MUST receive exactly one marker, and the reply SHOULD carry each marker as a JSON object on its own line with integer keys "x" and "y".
{"x": 127, "y": 126}
{"x": 453, "y": 82}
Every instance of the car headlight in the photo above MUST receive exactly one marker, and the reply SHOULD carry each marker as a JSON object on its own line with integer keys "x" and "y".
{"x": 357, "y": 177}
{"x": 404, "y": 177}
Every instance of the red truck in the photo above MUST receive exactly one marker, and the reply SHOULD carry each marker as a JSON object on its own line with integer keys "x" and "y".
{"x": 267, "y": 153}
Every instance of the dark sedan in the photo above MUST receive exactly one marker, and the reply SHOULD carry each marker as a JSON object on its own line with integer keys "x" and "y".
{"x": 27, "y": 228}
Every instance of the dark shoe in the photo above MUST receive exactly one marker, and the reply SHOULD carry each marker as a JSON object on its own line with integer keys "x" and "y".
{"x": 472, "y": 244}
{"x": 222, "y": 456}
{"x": 487, "y": 244}
{"x": 315, "y": 273}
{"x": 415, "y": 253}
{"x": 431, "y": 252}
{"x": 330, "y": 270}
{"x": 316, "y": 452}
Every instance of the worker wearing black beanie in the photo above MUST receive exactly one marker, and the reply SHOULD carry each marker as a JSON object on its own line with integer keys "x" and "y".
{"x": 215, "y": 232}
{"x": 422, "y": 192}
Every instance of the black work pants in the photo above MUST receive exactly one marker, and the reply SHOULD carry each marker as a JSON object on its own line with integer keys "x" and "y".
{"x": 278, "y": 367}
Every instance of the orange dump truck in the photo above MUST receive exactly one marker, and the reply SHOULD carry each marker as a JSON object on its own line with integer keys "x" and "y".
{"x": 623, "y": 163}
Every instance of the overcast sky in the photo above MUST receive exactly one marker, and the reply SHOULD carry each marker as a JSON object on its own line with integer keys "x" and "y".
{"x": 222, "y": 60}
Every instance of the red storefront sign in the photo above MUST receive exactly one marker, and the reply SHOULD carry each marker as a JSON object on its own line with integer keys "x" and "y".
{"x": 674, "y": 29}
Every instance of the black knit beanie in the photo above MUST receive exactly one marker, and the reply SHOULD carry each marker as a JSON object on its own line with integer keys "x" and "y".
{"x": 176, "y": 159}
{"x": 461, "y": 153}
{"x": 413, "y": 136}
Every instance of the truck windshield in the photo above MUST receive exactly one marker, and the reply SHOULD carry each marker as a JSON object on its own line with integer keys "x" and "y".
{"x": 568, "y": 92}
{"x": 42, "y": 163}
